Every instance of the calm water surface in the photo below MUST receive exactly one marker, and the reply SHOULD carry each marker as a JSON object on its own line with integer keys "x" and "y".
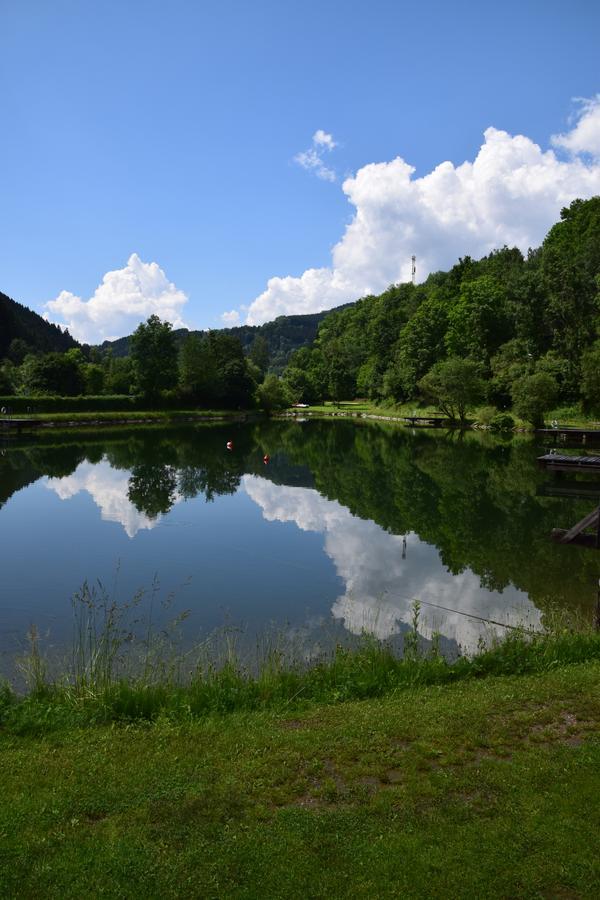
{"x": 339, "y": 532}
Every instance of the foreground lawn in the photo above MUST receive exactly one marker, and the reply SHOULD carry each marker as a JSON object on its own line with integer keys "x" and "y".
{"x": 477, "y": 789}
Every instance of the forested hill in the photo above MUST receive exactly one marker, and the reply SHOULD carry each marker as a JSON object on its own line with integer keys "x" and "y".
{"x": 522, "y": 324}
{"x": 506, "y": 330}
{"x": 25, "y": 327}
{"x": 283, "y": 336}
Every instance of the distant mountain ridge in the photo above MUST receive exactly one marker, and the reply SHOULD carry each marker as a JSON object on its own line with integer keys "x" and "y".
{"x": 18, "y": 321}
{"x": 283, "y": 335}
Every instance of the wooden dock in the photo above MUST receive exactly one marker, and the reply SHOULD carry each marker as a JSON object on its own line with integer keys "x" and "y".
{"x": 571, "y": 488}
{"x": 427, "y": 421}
{"x": 558, "y": 462}
{"x": 569, "y": 434}
{"x": 10, "y": 425}
{"x": 577, "y": 535}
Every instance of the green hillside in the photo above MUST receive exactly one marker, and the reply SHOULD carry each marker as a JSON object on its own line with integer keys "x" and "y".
{"x": 18, "y": 323}
{"x": 520, "y": 331}
{"x": 283, "y": 336}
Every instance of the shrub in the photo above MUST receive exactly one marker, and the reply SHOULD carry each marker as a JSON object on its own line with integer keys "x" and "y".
{"x": 273, "y": 394}
{"x": 486, "y": 414}
{"x": 563, "y": 413}
{"x": 47, "y": 403}
{"x": 502, "y": 422}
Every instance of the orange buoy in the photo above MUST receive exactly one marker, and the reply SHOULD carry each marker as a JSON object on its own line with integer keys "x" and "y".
{"x": 229, "y": 445}
{"x": 266, "y": 458}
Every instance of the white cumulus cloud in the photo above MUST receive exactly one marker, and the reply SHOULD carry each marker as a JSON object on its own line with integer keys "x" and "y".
{"x": 585, "y": 136}
{"x": 323, "y": 139}
{"x": 312, "y": 159}
{"x": 511, "y": 193}
{"x": 125, "y": 298}
{"x": 231, "y": 319}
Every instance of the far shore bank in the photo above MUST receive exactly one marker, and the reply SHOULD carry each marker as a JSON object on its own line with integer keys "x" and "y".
{"x": 427, "y": 418}
{"x": 35, "y": 422}
{"x": 363, "y": 410}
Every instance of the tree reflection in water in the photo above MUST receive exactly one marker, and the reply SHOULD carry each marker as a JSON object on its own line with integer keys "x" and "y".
{"x": 471, "y": 496}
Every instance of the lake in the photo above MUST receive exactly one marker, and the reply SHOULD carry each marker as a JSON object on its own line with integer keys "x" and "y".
{"x": 337, "y": 532}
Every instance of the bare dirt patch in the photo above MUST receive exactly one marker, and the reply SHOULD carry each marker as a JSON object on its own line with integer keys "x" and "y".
{"x": 299, "y": 724}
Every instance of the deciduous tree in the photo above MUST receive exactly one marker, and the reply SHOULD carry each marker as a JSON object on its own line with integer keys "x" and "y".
{"x": 454, "y": 386}
{"x": 533, "y": 395}
{"x": 154, "y": 357}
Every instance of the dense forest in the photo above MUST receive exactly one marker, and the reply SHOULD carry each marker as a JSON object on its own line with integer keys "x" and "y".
{"x": 506, "y": 329}
{"x": 211, "y": 370}
{"x": 504, "y": 332}
{"x": 23, "y": 331}
{"x": 224, "y": 367}
{"x": 283, "y": 336}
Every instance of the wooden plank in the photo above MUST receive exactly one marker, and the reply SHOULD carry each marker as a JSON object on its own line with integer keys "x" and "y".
{"x": 581, "y": 540}
{"x": 21, "y": 423}
{"x": 579, "y": 490}
{"x": 567, "y": 432}
{"x": 558, "y": 462}
{"x": 587, "y": 522}
{"x": 563, "y": 457}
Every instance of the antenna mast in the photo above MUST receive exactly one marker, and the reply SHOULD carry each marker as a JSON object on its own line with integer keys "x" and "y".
{"x": 413, "y": 271}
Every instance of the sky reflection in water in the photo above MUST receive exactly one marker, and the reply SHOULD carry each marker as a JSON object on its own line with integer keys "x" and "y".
{"x": 271, "y": 547}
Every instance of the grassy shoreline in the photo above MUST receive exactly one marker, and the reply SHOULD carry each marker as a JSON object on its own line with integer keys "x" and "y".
{"x": 362, "y": 774}
{"x": 367, "y": 410}
{"x": 168, "y": 415}
{"x": 480, "y": 788}
{"x": 360, "y": 409}
{"x": 110, "y": 680}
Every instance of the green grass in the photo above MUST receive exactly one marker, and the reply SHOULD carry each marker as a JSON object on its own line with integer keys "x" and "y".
{"x": 483, "y": 788}
{"x": 160, "y": 415}
{"x": 144, "y": 773}
{"x": 122, "y": 667}
{"x": 365, "y": 407}
{"x": 368, "y": 408}
{"x": 573, "y": 415}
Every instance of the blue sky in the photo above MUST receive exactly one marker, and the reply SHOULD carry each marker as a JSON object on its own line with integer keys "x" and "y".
{"x": 174, "y": 132}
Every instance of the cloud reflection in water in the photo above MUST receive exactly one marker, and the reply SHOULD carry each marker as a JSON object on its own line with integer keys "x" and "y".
{"x": 108, "y": 488}
{"x": 381, "y": 585}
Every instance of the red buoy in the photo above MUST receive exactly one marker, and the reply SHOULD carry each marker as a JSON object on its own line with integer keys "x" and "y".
{"x": 266, "y": 458}
{"x": 229, "y": 445}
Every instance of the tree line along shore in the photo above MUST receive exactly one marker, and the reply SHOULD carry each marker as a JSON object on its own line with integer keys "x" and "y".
{"x": 506, "y": 335}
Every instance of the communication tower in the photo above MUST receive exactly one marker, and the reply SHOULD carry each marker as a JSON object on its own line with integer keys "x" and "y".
{"x": 413, "y": 271}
